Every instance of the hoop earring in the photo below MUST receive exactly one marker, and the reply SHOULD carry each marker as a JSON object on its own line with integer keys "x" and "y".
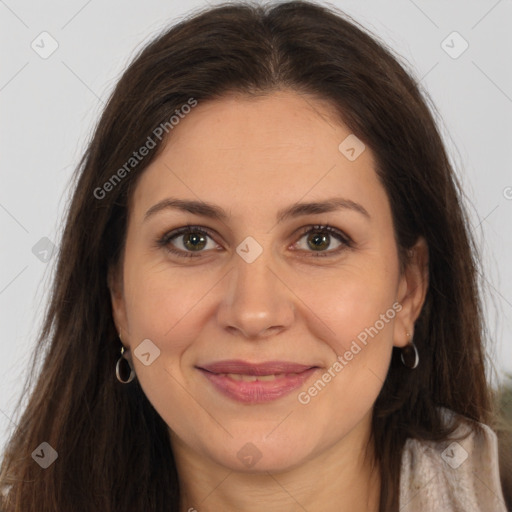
{"x": 118, "y": 364}
{"x": 410, "y": 356}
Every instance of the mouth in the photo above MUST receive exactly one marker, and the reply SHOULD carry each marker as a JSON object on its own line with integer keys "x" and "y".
{"x": 256, "y": 383}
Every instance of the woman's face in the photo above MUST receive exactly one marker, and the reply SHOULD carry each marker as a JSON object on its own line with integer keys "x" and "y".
{"x": 255, "y": 287}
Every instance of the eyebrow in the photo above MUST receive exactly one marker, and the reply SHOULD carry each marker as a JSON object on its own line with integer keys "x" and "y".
{"x": 296, "y": 210}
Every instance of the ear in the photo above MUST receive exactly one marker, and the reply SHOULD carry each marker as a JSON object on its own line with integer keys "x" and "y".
{"x": 116, "y": 288}
{"x": 412, "y": 290}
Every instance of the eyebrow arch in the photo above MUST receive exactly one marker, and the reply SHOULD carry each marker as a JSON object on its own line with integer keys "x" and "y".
{"x": 298, "y": 209}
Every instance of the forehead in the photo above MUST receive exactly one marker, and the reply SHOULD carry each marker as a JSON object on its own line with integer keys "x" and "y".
{"x": 246, "y": 152}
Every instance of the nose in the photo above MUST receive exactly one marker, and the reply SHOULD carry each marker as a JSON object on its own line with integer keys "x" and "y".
{"x": 257, "y": 302}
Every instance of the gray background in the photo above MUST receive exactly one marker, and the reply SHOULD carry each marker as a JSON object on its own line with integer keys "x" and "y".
{"x": 49, "y": 107}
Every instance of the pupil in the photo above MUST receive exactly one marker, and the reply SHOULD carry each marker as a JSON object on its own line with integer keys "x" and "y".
{"x": 318, "y": 239}
{"x": 195, "y": 240}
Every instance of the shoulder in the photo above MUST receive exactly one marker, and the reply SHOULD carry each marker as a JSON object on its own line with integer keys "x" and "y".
{"x": 452, "y": 475}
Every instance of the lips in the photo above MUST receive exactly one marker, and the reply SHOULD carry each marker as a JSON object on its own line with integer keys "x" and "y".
{"x": 253, "y": 383}
{"x": 236, "y": 366}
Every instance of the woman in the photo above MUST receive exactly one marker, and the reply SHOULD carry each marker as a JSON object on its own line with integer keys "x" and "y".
{"x": 266, "y": 295}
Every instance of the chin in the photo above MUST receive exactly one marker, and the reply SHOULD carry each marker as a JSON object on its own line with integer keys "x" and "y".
{"x": 261, "y": 456}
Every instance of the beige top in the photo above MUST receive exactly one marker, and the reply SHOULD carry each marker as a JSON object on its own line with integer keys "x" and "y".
{"x": 452, "y": 476}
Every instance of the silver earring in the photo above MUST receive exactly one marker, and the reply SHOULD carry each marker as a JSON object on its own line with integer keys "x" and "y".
{"x": 118, "y": 364}
{"x": 410, "y": 357}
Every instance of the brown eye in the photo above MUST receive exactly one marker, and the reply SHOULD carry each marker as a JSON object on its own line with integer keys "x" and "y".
{"x": 319, "y": 239}
{"x": 186, "y": 241}
{"x": 194, "y": 241}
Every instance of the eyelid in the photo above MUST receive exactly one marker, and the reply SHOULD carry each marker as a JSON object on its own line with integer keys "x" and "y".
{"x": 327, "y": 228}
{"x": 165, "y": 239}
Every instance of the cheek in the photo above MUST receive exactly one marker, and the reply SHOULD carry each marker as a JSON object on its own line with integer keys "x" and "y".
{"x": 163, "y": 307}
{"x": 350, "y": 301}
{"x": 359, "y": 309}
{"x": 160, "y": 303}
{"x": 361, "y": 314}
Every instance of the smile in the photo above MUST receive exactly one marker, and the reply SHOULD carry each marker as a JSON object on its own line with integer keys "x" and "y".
{"x": 256, "y": 383}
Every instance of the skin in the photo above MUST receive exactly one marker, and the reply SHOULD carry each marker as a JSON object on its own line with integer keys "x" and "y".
{"x": 253, "y": 157}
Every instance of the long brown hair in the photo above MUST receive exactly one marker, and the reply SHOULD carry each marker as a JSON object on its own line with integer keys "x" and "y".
{"x": 113, "y": 448}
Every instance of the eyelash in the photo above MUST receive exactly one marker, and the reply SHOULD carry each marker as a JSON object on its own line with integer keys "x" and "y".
{"x": 164, "y": 241}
